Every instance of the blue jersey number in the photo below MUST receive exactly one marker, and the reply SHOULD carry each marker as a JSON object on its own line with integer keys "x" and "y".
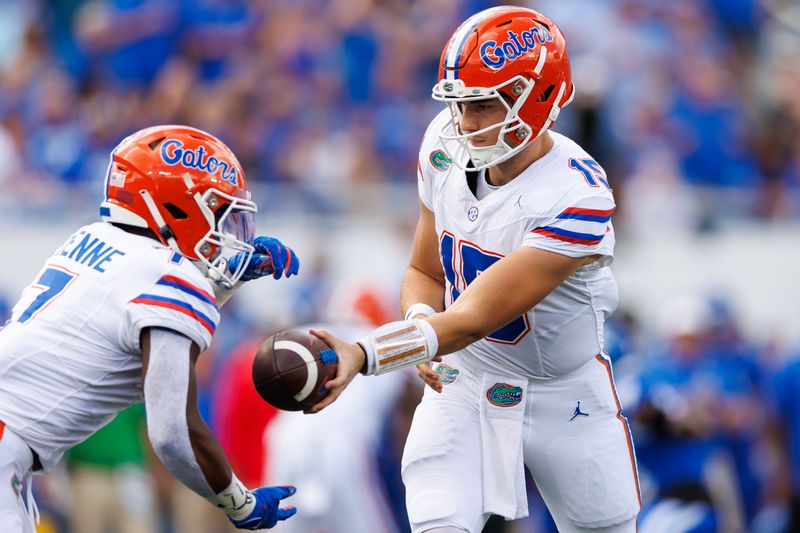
{"x": 54, "y": 281}
{"x": 474, "y": 261}
{"x": 591, "y": 171}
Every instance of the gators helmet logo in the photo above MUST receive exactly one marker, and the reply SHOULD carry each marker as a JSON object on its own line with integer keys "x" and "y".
{"x": 173, "y": 152}
{"x": 495, "y": 55}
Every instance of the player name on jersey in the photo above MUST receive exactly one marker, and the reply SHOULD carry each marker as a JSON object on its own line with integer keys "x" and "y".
{"x": 90, "y": 251}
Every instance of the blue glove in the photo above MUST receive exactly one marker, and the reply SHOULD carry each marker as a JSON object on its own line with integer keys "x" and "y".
{"x": 267, "y": 514}
{"x": 271, "y": 256}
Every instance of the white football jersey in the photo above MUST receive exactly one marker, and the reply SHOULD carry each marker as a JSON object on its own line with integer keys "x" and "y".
{"x": 561, "y": 203}
{"x": 70, "y": 357}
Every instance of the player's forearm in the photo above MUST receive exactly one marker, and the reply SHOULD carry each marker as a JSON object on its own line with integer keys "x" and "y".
{"x": 458, "y": 328}
{"x": 175, "y": 428}
{"x": 207, "y": 452}
{"x": 505, "y": 291}
{"x": 201, "y": 465}
{"x": 209, "y": 455}
{"x": 485, "y": 306}
{"x": 419, "y": 287}
{"x": 480, "y": 310}
{"x": 173, "y": 445}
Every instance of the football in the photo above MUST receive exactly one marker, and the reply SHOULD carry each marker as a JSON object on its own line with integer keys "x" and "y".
{"x": 290, "y": 369}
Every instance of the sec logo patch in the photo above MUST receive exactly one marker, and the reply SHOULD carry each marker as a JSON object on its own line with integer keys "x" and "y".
{"x": 472, "y": 214}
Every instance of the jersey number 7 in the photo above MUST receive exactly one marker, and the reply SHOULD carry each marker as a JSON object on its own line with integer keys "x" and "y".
{"x": 52, "y": 282}
{"x": 473, "y": 261}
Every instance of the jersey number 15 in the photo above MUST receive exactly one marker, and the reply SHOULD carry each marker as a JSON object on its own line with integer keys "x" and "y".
{"x": 473, "y": 261}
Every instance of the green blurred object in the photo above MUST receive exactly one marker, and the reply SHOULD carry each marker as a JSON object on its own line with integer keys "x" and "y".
{"x": 120, "y": 442}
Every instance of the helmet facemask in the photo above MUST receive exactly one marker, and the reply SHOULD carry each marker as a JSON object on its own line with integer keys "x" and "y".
{"x": 232, "y": 231}
{"x": 455, "y": 92}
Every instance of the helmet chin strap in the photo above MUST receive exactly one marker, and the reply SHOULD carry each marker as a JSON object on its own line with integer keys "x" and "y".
{"x": 163, "y": 230}
{"x": 214, "y": 272}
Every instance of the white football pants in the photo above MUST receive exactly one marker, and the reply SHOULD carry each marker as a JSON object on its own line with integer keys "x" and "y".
{"x": 580, "y": 455}
{"x": 16, "y": 460}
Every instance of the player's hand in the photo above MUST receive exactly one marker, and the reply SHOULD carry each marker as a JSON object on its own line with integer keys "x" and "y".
{"x": 430, "y": 376}
{"x": 271, "y": 257}
{"x": 267, "y": 513}
{"x": 282, "y": 258}
{"x": 351, "y": 361}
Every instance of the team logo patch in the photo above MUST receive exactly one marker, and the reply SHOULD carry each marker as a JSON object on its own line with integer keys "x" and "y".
{"x": 16, "y": 485}
{"x": 496, "y": 55}
{"x": 173, "y": 153}
{"x": 440, "y": 161}
{"x": 504, "y": 395}
{"x": 447, "y": 374}
{"x": 472, "y": 214}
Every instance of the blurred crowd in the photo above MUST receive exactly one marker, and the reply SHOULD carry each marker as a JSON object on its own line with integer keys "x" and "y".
{"x": 692, "y": 106}
{"x": 327, "y": 96}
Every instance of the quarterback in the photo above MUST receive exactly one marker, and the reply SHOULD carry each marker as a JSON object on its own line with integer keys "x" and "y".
{"x": 119, "y": 314}
{"x": 509, "y": 278}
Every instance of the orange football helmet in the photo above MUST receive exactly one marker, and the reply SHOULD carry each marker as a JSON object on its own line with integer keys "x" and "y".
{"x": 516, "y": 55}
{"x": 189, "y": 189}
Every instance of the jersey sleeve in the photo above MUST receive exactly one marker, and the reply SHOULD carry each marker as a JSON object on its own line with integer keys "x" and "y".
{"x": 433, "y": 159}
{"x": 423, "y": 186}
{"x": 424, "y": 177}
{"x": 579, "y": 228}
{"x": 179, "y": 300}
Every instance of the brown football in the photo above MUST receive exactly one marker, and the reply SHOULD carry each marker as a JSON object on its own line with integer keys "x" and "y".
{"x": 290, "y": 369}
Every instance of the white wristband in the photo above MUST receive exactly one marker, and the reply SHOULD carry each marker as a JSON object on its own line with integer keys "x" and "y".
{"x": 236, "y": 500}
{"x": 399, "y": 344}
{"x": 419, "y": 309}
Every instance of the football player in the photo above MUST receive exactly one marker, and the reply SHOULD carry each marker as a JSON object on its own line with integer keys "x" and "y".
{"x": 509, "y": 275}
{"x": 120, "y": 313}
